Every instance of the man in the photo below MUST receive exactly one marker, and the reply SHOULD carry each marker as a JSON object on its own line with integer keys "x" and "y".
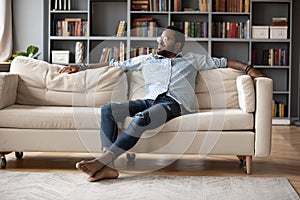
{"x": 169, "y": 81}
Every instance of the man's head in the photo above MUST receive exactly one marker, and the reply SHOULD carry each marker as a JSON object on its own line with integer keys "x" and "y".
{"x": 171, "y": 41}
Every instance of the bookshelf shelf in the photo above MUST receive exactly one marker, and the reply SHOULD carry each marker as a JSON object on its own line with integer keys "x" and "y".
{"x": 271, "y": 67}
{"x": 231, "y": 13}
{"x": 189, "y": 13}
{"x": 107, "y": 38}
{"x": 150, "y": 12}
{"x": 281, "y": 92}
{"x": 197, "y": 39}
{"x": 103, "y": 17}
{"x": 229, "y": 40}
{"x": 143, "y": 38}
{"x": 67, "y": 38}
{"x": 69, "y": 11}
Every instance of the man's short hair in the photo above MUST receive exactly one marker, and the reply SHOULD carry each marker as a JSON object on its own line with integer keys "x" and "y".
{"x": 179, "y": 34}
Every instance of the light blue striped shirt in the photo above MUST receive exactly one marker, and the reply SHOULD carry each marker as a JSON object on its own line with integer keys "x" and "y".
{"x": 174, "y": 76}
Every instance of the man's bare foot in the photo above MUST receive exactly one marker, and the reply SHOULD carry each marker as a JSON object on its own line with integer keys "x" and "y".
{"x": 104, "y": 173}
{"x": 89, "y": 167}
{"x": 92, "y": 166}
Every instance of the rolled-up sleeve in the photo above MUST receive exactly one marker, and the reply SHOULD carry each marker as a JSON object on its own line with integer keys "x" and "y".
{"x": 220, "y": 62}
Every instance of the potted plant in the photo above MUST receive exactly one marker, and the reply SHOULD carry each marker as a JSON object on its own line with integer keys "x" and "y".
{"x": 31, "y": 52}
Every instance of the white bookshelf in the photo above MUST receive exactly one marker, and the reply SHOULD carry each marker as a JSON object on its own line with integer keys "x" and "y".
{"x": 103, "y": 17}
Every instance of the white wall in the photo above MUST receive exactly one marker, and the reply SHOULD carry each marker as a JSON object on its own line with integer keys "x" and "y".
{"x": 28, "y": 24}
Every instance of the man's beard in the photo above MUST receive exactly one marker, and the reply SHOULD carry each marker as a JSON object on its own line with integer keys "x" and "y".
{"x": 165, "y": 53}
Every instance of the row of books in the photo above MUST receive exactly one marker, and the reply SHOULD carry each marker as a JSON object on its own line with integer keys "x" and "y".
{"x": 142, "y": 51}
{"x": 279, "y": 21}
{"x": 119, "y": 53}
{"x": 231, "y": 6}
{"x": 275, "y": 57}
{"x": 203, "y": 6}
{"x": 62, "y": 5}
{"x": 231, "y": 29}
{"x": 71, "y": 27}
{"x": 116, "y": 53}
{"x": 278, "y": 109}
{"x": 149, "y": 5}
{"x": 193, "y": 29}
{"x": 162, "y": 5}
{"x": 144, "y": 27}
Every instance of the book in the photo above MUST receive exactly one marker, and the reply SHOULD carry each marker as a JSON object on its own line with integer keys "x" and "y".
{"x": 177, "y": 5}
{"x": 121, "y": 28}
{"x": 56, "y": 5}
{"x": 140, "y": 5}
{"x": 203, "y": 5}
{"x": 280, "y": 110}
{"x": 122, "y": 53}
{"x": 60, "y": 5}
{"x": 65, "y": 4}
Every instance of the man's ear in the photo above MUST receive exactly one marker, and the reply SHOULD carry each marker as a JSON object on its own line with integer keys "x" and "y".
{"x": 178, "y": 46}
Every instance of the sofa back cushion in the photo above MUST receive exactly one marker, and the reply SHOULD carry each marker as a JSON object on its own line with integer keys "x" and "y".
{"x": 214, "y": 88}
{"x": 217, "y": 88}
{"x": 41, "y": 84}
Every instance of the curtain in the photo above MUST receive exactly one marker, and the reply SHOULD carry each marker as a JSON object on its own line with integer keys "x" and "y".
{"x": 5, "y": 30}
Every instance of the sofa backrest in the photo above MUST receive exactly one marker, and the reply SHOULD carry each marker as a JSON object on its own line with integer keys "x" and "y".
{"x": 41, "y": 84}
{"x": 214, "y": 88}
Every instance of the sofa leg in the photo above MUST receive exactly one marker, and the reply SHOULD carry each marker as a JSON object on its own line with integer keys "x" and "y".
{"x": 248, "y": 164}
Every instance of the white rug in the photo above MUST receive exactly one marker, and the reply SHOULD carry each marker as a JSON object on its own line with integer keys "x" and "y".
{"x": 52, "y": 186}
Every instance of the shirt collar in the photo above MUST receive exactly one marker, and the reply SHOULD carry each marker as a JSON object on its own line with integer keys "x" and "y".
{"x": 179, "y": 55}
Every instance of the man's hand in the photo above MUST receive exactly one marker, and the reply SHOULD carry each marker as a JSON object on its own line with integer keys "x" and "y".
{"x": 69, "y": 69}
{"x": 254, "y": 73}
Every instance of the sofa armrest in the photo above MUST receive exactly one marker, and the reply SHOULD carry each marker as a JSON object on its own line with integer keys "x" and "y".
{"x": 8, "y": 89}
{"x": 263, "y": 116}
{"x": 246, "y": 94}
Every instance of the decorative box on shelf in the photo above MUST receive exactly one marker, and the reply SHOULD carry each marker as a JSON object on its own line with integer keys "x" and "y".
{"x": 260, "y": 32}
{"x": 60, "y": 56}
{"x": 278, "y": 32}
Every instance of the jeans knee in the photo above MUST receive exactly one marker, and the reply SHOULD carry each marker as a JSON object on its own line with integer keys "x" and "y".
{"x": 106, "y": 109}
{"x": 142, "y": 119}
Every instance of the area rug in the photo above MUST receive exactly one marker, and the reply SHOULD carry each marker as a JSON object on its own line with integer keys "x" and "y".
{"x": 40, "y": 185}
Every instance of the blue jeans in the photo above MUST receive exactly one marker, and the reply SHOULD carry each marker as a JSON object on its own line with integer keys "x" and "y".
{"x": 147, "y": 114}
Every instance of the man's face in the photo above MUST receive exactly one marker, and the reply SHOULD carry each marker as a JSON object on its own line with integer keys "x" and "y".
{"x": 167, "y": 44}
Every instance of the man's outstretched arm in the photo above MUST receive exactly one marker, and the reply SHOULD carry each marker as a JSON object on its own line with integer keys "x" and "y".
{"x": 76, "y": 68}
{"x": 248, "y": 69}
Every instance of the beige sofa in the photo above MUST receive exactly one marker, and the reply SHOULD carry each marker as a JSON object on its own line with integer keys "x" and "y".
{"x": 44, "y": 111}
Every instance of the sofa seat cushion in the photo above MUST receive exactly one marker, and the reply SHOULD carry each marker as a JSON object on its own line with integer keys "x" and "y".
{"x": 212, "y": 120}
{"x": 49, "y": 117}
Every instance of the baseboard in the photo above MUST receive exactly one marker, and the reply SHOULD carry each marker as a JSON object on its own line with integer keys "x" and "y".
{"x": 281, "y": 121}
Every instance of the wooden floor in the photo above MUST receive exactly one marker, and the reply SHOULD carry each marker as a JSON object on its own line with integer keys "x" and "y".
{"x": 283, "y": 162}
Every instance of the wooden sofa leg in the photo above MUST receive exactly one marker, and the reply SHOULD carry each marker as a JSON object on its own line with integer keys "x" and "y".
{"x": 248, "y": 164}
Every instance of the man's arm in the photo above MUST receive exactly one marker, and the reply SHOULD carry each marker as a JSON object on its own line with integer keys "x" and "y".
{"x": 76, "y": 68}
{"x": 248, "y": 69}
